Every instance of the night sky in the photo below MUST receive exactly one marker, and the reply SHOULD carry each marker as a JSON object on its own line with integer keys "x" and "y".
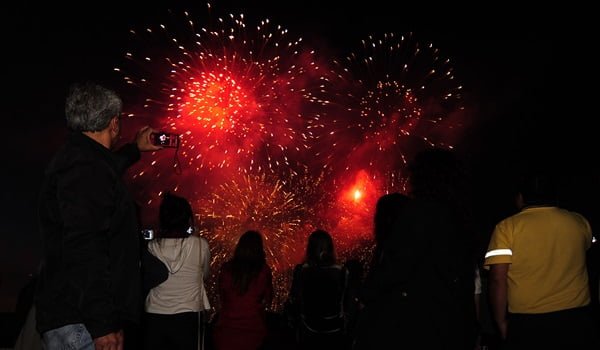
{"x": 525, "y": 74}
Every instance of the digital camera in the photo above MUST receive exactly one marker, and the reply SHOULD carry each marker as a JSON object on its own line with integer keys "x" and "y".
{"x": 148, "y": 234}
{"x": 165, "y": 139}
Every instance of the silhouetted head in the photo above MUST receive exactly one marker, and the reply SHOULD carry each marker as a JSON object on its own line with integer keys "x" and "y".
{"x": 248, "y": 260}
{"x": 387, "y": 209}
{"x": 537, "y": 188}
{"x": 438, "y": 174}
{"x": 250, "y": 247}
{"x": 320, "y": 250}
{"x": 175, "y": 216}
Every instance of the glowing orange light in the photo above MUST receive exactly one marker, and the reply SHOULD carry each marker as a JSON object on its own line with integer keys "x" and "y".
{"x": 357, "y": 195}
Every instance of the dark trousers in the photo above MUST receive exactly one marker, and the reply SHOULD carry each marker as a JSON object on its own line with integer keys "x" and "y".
{"x": 177, "y": 331}
{"x": 565, "y": 329}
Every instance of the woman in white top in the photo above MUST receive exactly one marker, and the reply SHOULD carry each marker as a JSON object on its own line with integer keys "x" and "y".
{"x": 173, "y": 307}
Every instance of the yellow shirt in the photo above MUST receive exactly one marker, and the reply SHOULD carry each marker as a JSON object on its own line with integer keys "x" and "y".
{"x": 545, "y": 247}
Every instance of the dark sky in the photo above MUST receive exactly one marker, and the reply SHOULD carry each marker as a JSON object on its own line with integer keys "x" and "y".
{"x": 526, "y": 72}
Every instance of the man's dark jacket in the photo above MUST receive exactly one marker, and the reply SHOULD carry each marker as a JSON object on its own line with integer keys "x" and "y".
{"x": 89, "y": 227}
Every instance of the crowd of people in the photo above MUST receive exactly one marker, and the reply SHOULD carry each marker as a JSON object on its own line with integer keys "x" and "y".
{"x": 102, "y": 287}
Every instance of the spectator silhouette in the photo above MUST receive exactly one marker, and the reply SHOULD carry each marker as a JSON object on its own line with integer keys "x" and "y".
{"x": 421, "y": 292}
{"x": 245, "y": 291}
{"x": 318, "y": 294}
{"x": 538, "y": 272}
{"x": 387, "y": 210}
{"x": 173, "y": 307}
{"x": 88, "y": 292}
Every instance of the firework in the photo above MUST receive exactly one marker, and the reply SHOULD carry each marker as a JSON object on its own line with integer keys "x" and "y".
{"x": 242, "y": 97}
{"x": 401, "y": 96}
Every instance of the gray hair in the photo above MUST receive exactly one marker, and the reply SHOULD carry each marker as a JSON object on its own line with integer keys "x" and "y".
{"x": 90, "y": 107}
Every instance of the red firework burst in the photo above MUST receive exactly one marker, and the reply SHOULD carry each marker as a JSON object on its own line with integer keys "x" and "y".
{"x": 401, "y": 96}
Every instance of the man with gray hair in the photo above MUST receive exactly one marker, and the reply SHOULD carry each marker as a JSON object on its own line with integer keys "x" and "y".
{"x": 88, "y": 288}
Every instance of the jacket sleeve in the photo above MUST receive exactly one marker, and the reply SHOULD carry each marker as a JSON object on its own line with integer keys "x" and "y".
{"x": 86, "y": 196}
{"x": 126, "y": 156}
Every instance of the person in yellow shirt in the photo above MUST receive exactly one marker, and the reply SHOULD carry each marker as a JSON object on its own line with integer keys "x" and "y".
{"x": 537, "y": 262}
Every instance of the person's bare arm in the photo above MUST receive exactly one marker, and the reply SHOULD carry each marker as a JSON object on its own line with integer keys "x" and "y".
{"x": 477, "y": 314}
{"x": 498, "y": 295}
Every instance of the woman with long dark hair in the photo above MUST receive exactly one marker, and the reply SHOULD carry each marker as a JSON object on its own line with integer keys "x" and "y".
{"x": 173, "y": 307}
{"x": 318, "y": 295}
{"x": 387, "y": 210}
{"x": 245, "y": 291}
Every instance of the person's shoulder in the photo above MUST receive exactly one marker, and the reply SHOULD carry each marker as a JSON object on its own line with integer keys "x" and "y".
{"x": 70, "y": 154}
{"x": 508, "y": 221}
{"x": 571, "y": 213}
{"x": 73, "y": 157}
{"x": 201, "y": 240}
{"x": 196, "y": 242}
{"x": 582, "y": 220}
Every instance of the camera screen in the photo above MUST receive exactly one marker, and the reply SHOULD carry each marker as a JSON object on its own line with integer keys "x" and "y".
{"x": 165, "y": 139}
{"x": 148, "y": 234}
